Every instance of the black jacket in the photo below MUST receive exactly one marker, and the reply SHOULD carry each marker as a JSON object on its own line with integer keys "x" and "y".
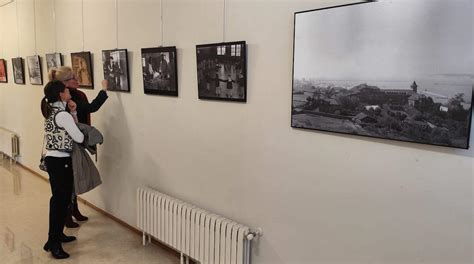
{"x": 84, "y": 108}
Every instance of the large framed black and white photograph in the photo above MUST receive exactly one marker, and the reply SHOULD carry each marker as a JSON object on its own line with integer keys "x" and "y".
{"x": 18, "y": 70}
{"x": 222, "y": 71}
{"x": 160, "y": 71}
{"x": 400, "y": 70}
{"x": 53, "y": 60}
{"x": 34, "y": 70}
{"x": 82, "y": 68}
{"x": 115, "y": 66}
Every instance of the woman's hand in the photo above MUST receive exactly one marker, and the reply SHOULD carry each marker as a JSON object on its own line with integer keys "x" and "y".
{"x": 73, "y": 110}
{"x": 105, "y": 85}
{"x": 72, "y": 106}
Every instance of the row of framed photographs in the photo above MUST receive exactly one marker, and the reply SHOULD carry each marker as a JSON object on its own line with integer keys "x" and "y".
{"x": 34, "y": 67}
{"x": 221, "y": 70}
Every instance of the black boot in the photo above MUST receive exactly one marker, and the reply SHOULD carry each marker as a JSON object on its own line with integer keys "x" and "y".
{"x": 66, "y": 239}
{"x": 69, "y": 222}
{"x": 76, "y": 213}
{"x": 56, "y": 250}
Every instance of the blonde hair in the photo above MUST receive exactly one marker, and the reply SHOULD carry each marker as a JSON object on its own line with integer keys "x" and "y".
{"x": 62, "y": 74}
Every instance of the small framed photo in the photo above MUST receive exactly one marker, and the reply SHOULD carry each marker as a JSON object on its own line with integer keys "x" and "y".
{"x": 82, "y": 68}
{"x": 53, "y": 60}
{"x": 115, "y": 64}
{"x": 160, "y": 71}
{"x": 34, "y": 70}
{"x": 18, "y": 70}
{"x": 222, "y": 71}
{"x": 3, "y": 71}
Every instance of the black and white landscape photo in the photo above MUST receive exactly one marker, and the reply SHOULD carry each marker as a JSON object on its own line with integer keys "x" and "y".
{"x": 34, "y": 70}
{"x": 53, "y": 60}
{"x": 400, "y": 70}
{"x": 115, "y": 65}
{"x": 222, "y": 71}
{"x": 18, "y": 70}
{"x": 160, "y": 70}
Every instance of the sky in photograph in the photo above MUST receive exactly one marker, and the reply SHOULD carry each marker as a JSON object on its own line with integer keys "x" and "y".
{"x": 386, "y": 40}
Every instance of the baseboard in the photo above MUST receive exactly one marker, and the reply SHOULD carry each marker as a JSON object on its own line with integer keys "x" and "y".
{"x": 107, "y": 214}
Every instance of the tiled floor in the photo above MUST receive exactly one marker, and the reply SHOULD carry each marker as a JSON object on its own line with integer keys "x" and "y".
{"x": 24, "y": 206}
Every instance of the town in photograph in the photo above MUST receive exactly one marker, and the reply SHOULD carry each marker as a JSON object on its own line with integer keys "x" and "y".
{"x": 410, "y": 112}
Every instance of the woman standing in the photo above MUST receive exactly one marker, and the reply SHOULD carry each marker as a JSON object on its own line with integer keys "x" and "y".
{"x": 60, "y": 132}
{"x": 84, "y": 109}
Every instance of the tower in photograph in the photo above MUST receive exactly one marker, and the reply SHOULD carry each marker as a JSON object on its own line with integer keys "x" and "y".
{"x": 414, "y": 87}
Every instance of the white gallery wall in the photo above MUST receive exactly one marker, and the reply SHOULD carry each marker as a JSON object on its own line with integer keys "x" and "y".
{"x": 319, "y": 197}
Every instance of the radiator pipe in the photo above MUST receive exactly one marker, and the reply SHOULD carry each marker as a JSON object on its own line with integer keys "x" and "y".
{"x": 250, "y": 236}
{"x": 247, "y": 252}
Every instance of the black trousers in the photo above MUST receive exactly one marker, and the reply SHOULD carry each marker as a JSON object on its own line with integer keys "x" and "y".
{"x": 61, "y": 181}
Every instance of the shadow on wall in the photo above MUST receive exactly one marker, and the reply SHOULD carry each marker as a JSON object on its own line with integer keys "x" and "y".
{"x": 152, "y": 168}
{"x": 262, "y": 247}
{"x": 115, "y": 152}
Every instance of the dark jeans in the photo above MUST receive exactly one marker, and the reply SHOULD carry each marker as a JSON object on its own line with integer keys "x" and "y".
{"x": 61, "y": 181}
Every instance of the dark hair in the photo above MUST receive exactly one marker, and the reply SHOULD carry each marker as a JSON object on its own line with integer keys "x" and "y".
{"x": 51, "y": 95}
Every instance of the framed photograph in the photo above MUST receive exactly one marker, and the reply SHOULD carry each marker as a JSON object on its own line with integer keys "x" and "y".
{"x": 375, "y": 74}
{"x": 82, "y": 67}
{"x": 34, "y": 70}
{"x": 160, "y": 71}
{"x": 3, "y": 71}
{"x": 18, "y": 70}
{"x": 115, "y": 65}
{"x": 222, "y": 71}
{"x": 53, "y": 60}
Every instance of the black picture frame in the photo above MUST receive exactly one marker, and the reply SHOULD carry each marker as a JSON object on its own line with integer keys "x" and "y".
{"x": 222, "y": 71}
{"x": 115, "y": 67}
{"x": 160, "y": 71}
{"x": 410, "y": 113}
{"x": 53, "y": 60}
{"x": 34, "y": 70}
{"x": 18, "y": 70}
{"x": 81, "y": 64}
{"x": 3, "y": 71}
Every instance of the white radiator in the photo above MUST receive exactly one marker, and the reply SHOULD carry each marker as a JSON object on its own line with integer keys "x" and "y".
{"x": 9, "y": 143}
{"x": 197, "y": 233}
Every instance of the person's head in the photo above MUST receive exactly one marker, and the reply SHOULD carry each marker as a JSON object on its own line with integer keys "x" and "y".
{"x": 54, "y": 91}
{"x": 65, "y": 75}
